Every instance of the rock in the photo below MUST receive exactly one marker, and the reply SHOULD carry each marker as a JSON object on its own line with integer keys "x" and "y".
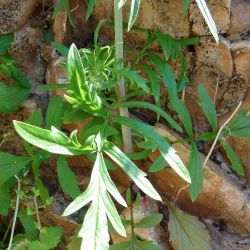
{"x": 15, "y": 13}
{"x": 166, "y": 16}
{"x": 240, "y": 18}
{"x": 220, "y": 11}
{"x": 221, "y": 198}
{"x": 27, "y": 50}
{"x": 156, "y": 234}
{"x": 241, "y": 61}
{"x": 213, "y": 67}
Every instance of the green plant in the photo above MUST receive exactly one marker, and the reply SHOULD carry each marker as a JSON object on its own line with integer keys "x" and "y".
{"x": 17, "y": 85}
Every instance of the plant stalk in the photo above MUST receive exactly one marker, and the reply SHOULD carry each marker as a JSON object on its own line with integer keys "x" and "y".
{"x": 120, "y": 87}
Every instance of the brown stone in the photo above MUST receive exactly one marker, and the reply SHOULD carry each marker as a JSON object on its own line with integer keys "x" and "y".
{"x": 220, "y": 11}
{"x": 240, "y": 18}
{"x": 15, "y": 13}
{"x": 166, "y": 16}
{"x": 221, "y": 198}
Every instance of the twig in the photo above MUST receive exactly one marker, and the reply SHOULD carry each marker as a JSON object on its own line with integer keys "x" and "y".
{"x": 218, "y": 134}
{"x": 183, "y": 93}
{"x": 15, "y": 214}
{"x": 179, "y": 192}
{"x": 216, "y": 90}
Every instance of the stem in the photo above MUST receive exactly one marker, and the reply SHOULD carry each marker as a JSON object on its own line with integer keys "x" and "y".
{"x": 37, "y": 216}
{"x": 132, "y": 227}
{"x": 120, "y": 88}
{"x": 15, "y": 214}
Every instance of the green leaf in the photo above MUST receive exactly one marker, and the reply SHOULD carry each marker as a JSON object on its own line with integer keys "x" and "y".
{"x": 51, "y": 236}
{"x": 155, "y": 83}
{"x": 233, "y": 157}
{"x": 68, "y": 10}
{"x": 146, "y": 245}
{"x": 159, "y": 111}
{"x": 58, "y": 6}
{"x": 134, "y": 9}
{"x": 128, "y": 197}
{"x": 121, "y": 246}
{"x": 136, "y": 156}
{"x": 239, "y": 126}
{"x": 186, "y": 5}
{"x": 208, "y": 18}
{"x": 37, "y": 245}
{"x": 91, "y": 5}
{"x": 72, "y": 115}
{"x": 8, "y": 93}
{"x": 66, "y": 178}
{"x": 131, "y": 170}
{"x": 196, "y": 173}
{"x": 5, "y": 42}
{"x": 61, "y": 48}
{"x": 29, "y": 225}
{"x": 158, "y": 164}
{"x": 151, "y": 220}
{"x": 186, "y": 232}
{"x": 208, "y": 107}
{"x": 36, "y": 118}
{"x": 10, "y": 165}
{"x": 168, "y": 153}
{"x": 53, "y": 141}
{"x": 134, "y": 77}
{"x": 5, "y": 197}
{"x": 54, "y": 113}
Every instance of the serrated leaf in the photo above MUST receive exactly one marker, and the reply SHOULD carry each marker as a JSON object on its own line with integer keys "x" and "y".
{"x": 5, "y": 41}
{"x": 138, "y": 176}
{"x": 54, "y": 112}
{"x": 29, "y": 225}
{"x": 121, "y": 246}
{"x": 207, "y": 106}
{"x": 134, "y": 77}
{"x": 66, "y": 178}
{"x": 50, "y": 236}
{"x": 186, "y": 232}
{"x": 151, "y": 220}
{"x": 10, "y": 165}
{"x": 53, "y": 141}
{"x": 196, "y": 172}
{"x": 146, "y": 245}
{"x": 233, "y": 157}
{"x": 208, "y": 18}
{"x": 168, "y": 153}
{"x": 158, "y": 164}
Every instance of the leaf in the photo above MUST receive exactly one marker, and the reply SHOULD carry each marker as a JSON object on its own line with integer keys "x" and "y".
{"x": 5, "y": 197}
{"x": 8, "y": 93}
{"x": 208, "y": 18}
{"x": 54, "y": 112}
{"x": 5, "y": 41}
{"x": 146, "y": 245}
{"x": 186, "y": 5}
{"x": 36, "y": 118}
{"x": 168, "y": 153}
{"x": 134, "y": 77}
{"x": 134, "y": 9}
{"x": 66, "y": 178}
{"x": 11, "y": 165}
{"x": 155, "y": 84}
{"x": 233, "y": 157}
{"x": 208, "y": 107}
{"x": 158, "y": 164}
{"x": 186, "y": 232}
{"x": 131, "y": 170}
{"x": 50, "y": 236}
{"x": 196, "y": 173}
{"x": 29, "y": 225}
{"x": 240, "y": 125}
{"x": 37, "y": 245}
{"x": 61, "y": 48}
{"x": 151, "y": 220}
{"x": 159, "y": 111}
{"x": 53, "y": 141}
{"x": 68, "y": 10}
{"x": 121, "y": 246}
{"x": 91, "y": 5}
{"x": 58, "y": 6}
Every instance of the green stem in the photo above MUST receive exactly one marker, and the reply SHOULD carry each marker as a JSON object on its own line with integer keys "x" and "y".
{"x": 120, "y": 87}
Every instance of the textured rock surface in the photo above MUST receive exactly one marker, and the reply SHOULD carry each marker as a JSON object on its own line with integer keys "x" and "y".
{"x": 15, "y": 13}
{"x": 220, "y": 10}
{"x": 240, "y": 18}
{"x": 167, "y": 16}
